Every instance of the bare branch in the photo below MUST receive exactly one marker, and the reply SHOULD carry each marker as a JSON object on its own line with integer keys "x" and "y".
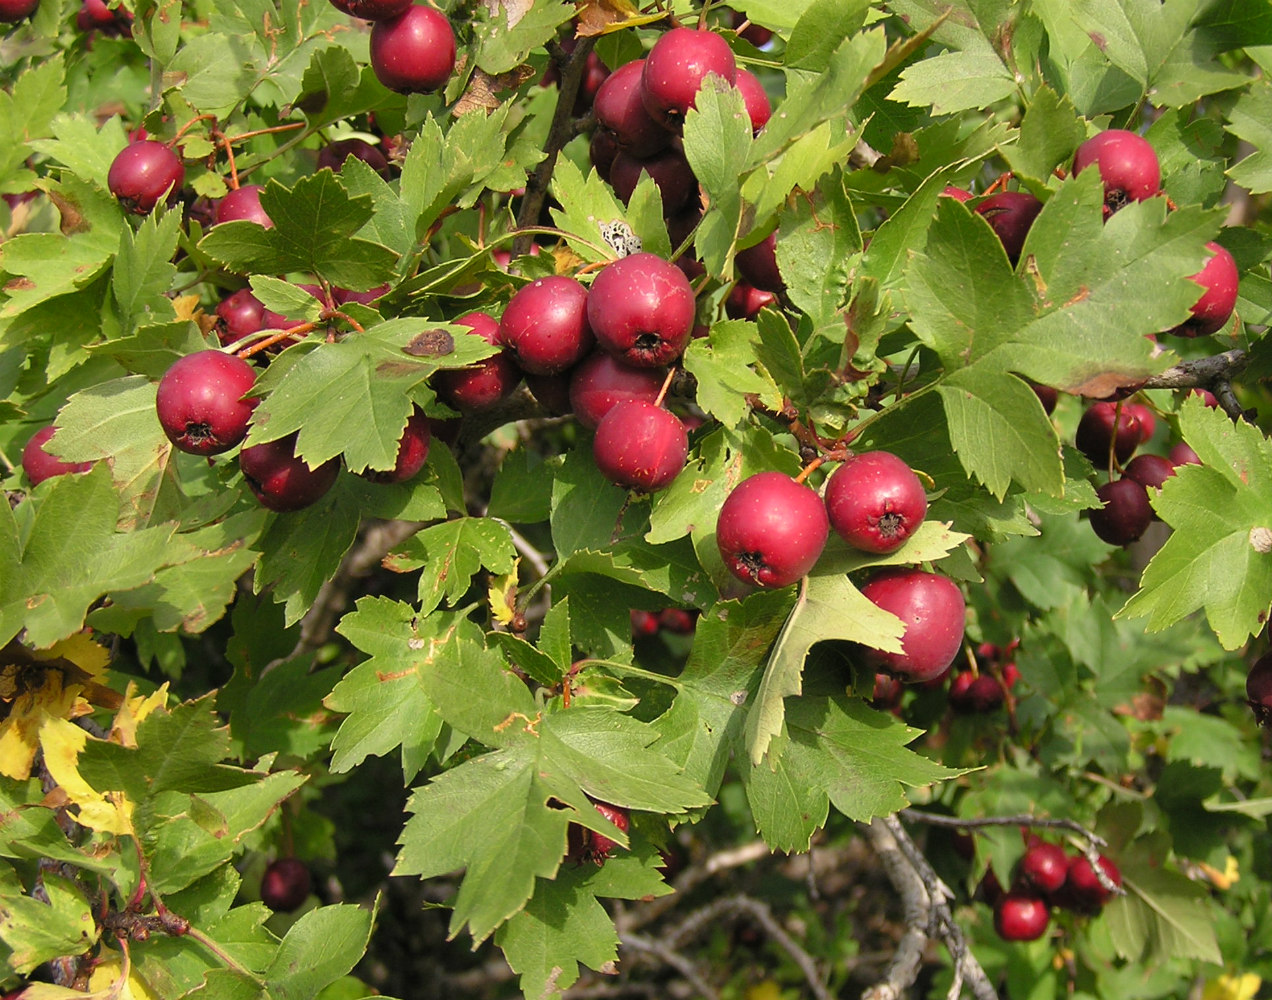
{"x": 903, "y": 970}
{"x": 677, "y": 961}
{"x": 1021, "y": 819}
{"x": 1200, "y": 372}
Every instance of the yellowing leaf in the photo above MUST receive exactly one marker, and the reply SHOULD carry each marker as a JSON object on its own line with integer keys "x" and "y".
{"x": 1222, "y": 879}
{"x": 110, "y": 812}
{"x": 38, "y": 696}
{"x": 503, "y": 596}
{"x": 116, "y": 979}
{"x": 1242, "y": 987}
{"x": 134, "y": 709}
{"x": 600, "y": 17}
{"x": 81, "y": 650}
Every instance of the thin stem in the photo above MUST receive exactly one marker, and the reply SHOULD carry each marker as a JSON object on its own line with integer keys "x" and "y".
{"x": 226, "y": 958}
{"x": 627, "y": 668}
{"x": 662, "y": 393}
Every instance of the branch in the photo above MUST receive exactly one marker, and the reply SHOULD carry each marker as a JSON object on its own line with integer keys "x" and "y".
{"x": 903, "y": 970}
{"x": 1023, "y": 819}
{"x": 1200, "y": 373}
{"x": 677, "y": 961}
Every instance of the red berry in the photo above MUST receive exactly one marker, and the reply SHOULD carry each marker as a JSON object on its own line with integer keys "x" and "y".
{"x": 243, "y": 203}
{"x": 745, "y": 301}
{"x": 1020, "y": 916}
{"x": 285, "y": 885}
{"x": 771, "y": 530}
{"x": 12, "y": 11}
{"x": 675, "y": 69}
{"x": 1182, "y": 453}
{"x": 94, "y": 15}
{"x": 875, "y": 501}
{"x": 333, "y": 155}
{"x": 201, "y": 404}
{"x": 644, "y": 623}
{"x": 932, "y": 609}
{"x": 669, "y": 170}
{"x": 1219, "y": 279}
{"x": 621, "y": 112}
{"x": 758, "y": 107}
{"x": 1010, "y": 214}
{"x": 1082, "y": 889}
{"x": 641, "y": 309}
{"x": 1150, "y": 471}
{"x": 412, "y": 451}
{"x": 1126, "y": 513}
{"x": 678, "y": 620}
{"x": 283, "y": 481}
{"x": 887, "y": 692}
{"x": 640, "y": 446}
{"x": 545, "y": 325}
{"x": 144, "y": 172}
{"x": 413, "y": 53}
{"x": 1127, "y": 164}
{"x": 601, "y": 381}
{"x": 1047, "y": 396}
{"x": 1044, "y": 866}
{"x": 488, "y": 381}
{"x": 1258, "y": 686}
{"x": 1101, "y": 426}
{"x": 39, "y": 465}
{"x": 597, "y": 846}
{"x": 975, "y": 693}
{"x": 374, "y": 10}
{"x": 758, "y": 265}
{"x": 957, "y": 193}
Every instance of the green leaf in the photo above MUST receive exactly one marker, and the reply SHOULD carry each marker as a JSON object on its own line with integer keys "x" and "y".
{"x": 1049, "y": 135}
{"x": 819, "y": 31}
{"x": 503, "y": 46}
{"x": 36, "y": 931}
{"x": 27, "y": 109}
{"x": 956, "y": 81}
{"x": 1216, "y": 559}
{"x": 318, "y": 949}
{"x": 333, "y": 87}
{"x": 143, "y": 272}
{"x": 450, "y": 554}
{"x": 718, "y": 138}
{"x": 1249, "y": 118}
{"x": 522, "y": 490}
{"x": 722, "y": 365}
{"x": 818, "y": 238}
{"x": 585, "y": 505}
{"x": 586, "y": 205}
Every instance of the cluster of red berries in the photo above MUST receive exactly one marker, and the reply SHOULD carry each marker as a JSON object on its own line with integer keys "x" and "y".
{"x": 677, "y": 621}
{"x": 1048, "y": 877}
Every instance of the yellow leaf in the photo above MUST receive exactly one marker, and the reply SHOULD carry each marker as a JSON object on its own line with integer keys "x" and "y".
{"x": 766, "y": 990}
{"x": 503, "y": 596}
{"x": 109, "y": 812}
{"x": 1242, "y": 987}
{"x": 1222, "y": 879}
{"x": 81, "y": 650}
{"x": 112, "y": 978}
{"x": 131, "y": 713}
{"x": 39, "y": 697}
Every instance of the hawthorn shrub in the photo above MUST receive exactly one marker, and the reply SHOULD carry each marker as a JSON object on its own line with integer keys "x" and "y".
{"x": 372, "y": 597}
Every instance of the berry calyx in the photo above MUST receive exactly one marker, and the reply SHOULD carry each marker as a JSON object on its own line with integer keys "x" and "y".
{"x": 641, "y": 309}
{"x": 1021, "y": 916}
{"x": 875, "y": 501}
{"x": 413, "y": 53}
{"x": 283, "y": 481}
{"x": 285, "y": 885}
{"x": 640, "y": 446}
{"x": 771, "y": 530}
{"x": 39, "y": 465}
{"x": 1127, "y": 164}
{"x": 200, "y": 402}
{"x": 932, "y": 609}
{"x": 144, "y": 172}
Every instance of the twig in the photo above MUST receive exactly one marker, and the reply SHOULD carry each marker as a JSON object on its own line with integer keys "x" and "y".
{"x": 677, "y": 961}
{"x": 1200, "y": 372}
{"x": 1022, "y": 819}
{"x": 903, "y": 970}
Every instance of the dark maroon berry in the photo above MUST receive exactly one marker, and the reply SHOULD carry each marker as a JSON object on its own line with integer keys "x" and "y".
{"x": 94, "y": 15}
{"x": 1206, "y": 396}
{"x": 201, "y": 404}
{"x": 12, "y": 11}
{"x": 756, "y": 34}
{"x": 619, "y": 110}
{"x": 678, "y": 620}
{"x": 143, "y": 173}
{"x": 1150, "y": 471}
{"x": 1182, "y": 454}
{"x": 374, "y": 10}
{"x": 333, "y": 155}
{"x": 758, "y": 107}
{"x": 669, "y": 170}
{"x": 486, "y": 382}
{"x": 39, "y": 465}
{"x": 598, "y": 845}
{"x": 875, "y": 501}
{"x": 976, "y": 693}
{"x": 1010, "y": 214}
{"x": 1219, "y": 279}
{"x": 1047, "y": 396}
{"x": 601, "y": 381}
{"x": 285, "y": 885}
{"x": 413, "y": 53}
{"x": 602, "y": 151}
{"x": 545, "y": 325}
{"x": 1258, "y": 686}
{"x": 244, "y": 204}
{"x": 412, "y": 452}
{"x": 675, "y": 69}
{"x": 1044, "y": 867}
{"x": 641, "y": 309}
{"x": 745, "y": 301}
{"x": 640, "y": 446}
{"x": 1144, "y": 419}
{"x": 1102, "y": 428}
{"x": 1021, "y": 916}
{"x": 771, "y": 530}
{"x": 1126, "y": 513}
{"x": 552, "y": 392}
{"x": 1127, "y": 164}
{"x": 932, "y": 609}
{"x": 283, "y": 481}
{"x": 239, "y": 315}
{"x": 1083, "y": 890}
{"x": 758, "y": 265}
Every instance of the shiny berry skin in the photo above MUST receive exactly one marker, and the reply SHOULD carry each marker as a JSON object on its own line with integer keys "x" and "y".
{"x": 144, "y": 172}
{"x": 413, "y": 53}
{"x": 1127, "y": 164}
{"x": 1144, "y": 419}
{"x": 1082, "y": 889}
{"x": 375, "y": 10}
{"x": 601, "y": 381}
{"x": 758, "y": 107}
{"x": 598, "y": 847}
{"x": 771, "y": 530}
{"x": 1010, "y": 214}
{"x": 239, "y": 315}
{"x": 1102, "y": 426}
{"x": 1150, "y": 471}
{"x": 602, "y": 151}
{"x": 745, "y": 301}
{"x": 333, "y": 155}
{"x": 1020, "y": 916}
{"x": 1047, "y": 396}
{"x": 200, "y": 402}
{"x": 932, "y": 609}
{"x": 640, "y": 446}
{"x": 675, "y": 68}
{"x": 488, "y": 381}
{"x": 1258, "y": 685}
{"x": 1044, "y": 867}
{"x": 641, "y": 309}
{"x": 12, "y": 11}
{"x": 94, "y": 15}
{"x": 621, "y": 113}
{"x": 545, "y": 325}
{"x": 285, "y": 885}
{"x": 758, "y": 265}
{"x": 975, "y": 693}
{"x": 1182, "y": 454}
{"x": 1211, "y": 312}
{"x": 281, "y": 480}
{"x": 669, "y": 170}
{"x": 412, "y": 452}
{"x": 244, "y": 204}
{"x": 1126, "y": 513}
{"x": 875, "y": 501}
{"x": 39, "y": 465}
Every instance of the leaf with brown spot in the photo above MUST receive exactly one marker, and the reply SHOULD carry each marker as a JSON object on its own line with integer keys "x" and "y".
{"x": 430, "y": 344}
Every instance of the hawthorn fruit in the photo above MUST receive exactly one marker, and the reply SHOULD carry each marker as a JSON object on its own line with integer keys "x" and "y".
{"x": 640, "y": 446}
{"x": 545, "y": 325}
{"x": 771, "y": 530}
{"x": 413, "y": 53}
{"x": 1258, "y": 686}
{"x": 933, "y": 611}
{"x": 675, "y": 69}
{"x": 875, "y": 501}
{"x": 39, "y": 465}
{"x": 641, "y": 309}
{"x": 283, "y": 481}
{"x": 143, "y": 173}
{"x": 200, "y": 402}
{"x": 1021, "y": 916}
{"x": 285, "y": 885}
{"x": 1127, "y": 164}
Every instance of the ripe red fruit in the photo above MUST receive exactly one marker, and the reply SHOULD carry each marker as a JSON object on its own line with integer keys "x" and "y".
{"x": 280, "y": 479}
{"x": 1020, "y": 916}
{"x": 640, "y": 446}
{"x": 374, "y": 10}
{"x": 94, "y": 15}
{"x": 1183, "y": 454}
{"x": 1047, "y": 396}
{"x": 1127, "y": 164}
{"x": 621, "y": 113}
{"x": 758, "y": 265}
{"x": 200, "y": 402}
{"x": 641, "y": 309}
{"x": 597, "y": 847}
{"x": 1143, "y": 417}
{"x": 1010, "y": 214}
{"x": 333, "y": 155}
{"x": 887, "y": 692}
{"x": 471, "y": 390}
{"x": 933, "y": 611}
{"x": 1082, "y": 889}
{"x": 413, "y": 53}
{"x": 412, "y": 451}
{"x": 975, "y": 693}
{"x": 545, "y": 325}
{"x": 602, "y": 151}
{"x": 1219, "y": 279}
{"x": 675, "y": 68}
{"x": 875, "y": 501}
{"x": 745, "y": 301}
{"x": 1044, "y": 866}
{"x": 771, "y": 530}
{"x": 669, "y": 170}
{"x": 1102, "y": 426}
{"x": 601, "y": 381}
{"x": 758, "y": 107}
{"x": 144, "y": 172}
{"x": 40, "y": 465}
{"x": 678, "y": 620}
{"x": 1126, "y": 513}
{"x": 552, "y": 392}
{"x": 243, "y": 203}
{"x": 756, "y": 34}
{"x": 239, "y": 315}
{"x": 12, "y": 11}
{"x": 644, "y": 623}
{"x": 285, "y": 885}
{"x": 1150, "y": 471}
{"x": 1258, "y": 684}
